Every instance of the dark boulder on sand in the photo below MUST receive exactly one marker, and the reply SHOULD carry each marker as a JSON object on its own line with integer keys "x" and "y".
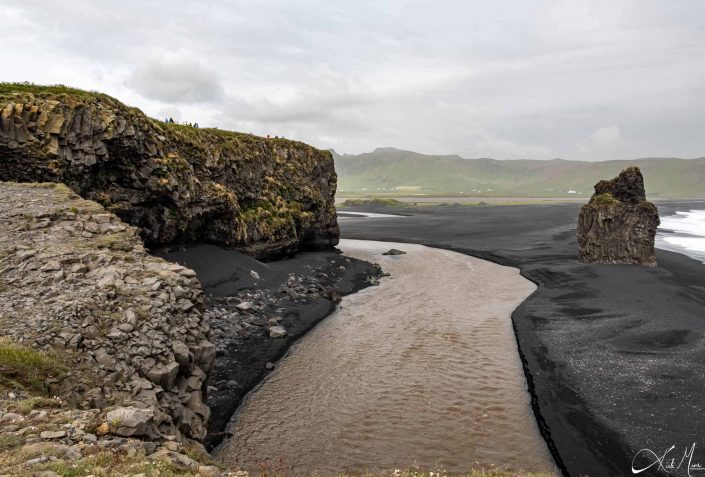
{"x": 394, "y": 251}
{"x": 266, "y": 197}
{"x": 618, "y": 225}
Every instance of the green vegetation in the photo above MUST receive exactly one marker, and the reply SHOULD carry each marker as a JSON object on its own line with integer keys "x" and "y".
{"x": 120, "y": 242}
{"x": 37, "y": 402}
{"x": 7, "y": 89}
{"x": 25, "y": 368}
{"x": 10, "y": 441}
{"x": 392, "y": 172}
{"x": 103, "y": 463}
{"x": 605, "y": 199}
{"x": 382, "y": 201}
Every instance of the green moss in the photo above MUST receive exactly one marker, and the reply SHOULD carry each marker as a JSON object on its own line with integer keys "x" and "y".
{"x": 120, "y": 242}
{"x": 605, "y": 199}
{"x": 25, "y": 368}
{"x": 247, "y": 206}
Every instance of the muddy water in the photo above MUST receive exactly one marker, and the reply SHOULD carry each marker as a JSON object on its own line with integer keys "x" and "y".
{"x": 420, "y": 371}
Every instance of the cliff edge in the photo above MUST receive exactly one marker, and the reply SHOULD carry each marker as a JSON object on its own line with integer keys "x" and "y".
{"x": 265, "y": 197}
{"x": 618, "y": 225}
{"x": 126, "y": 327}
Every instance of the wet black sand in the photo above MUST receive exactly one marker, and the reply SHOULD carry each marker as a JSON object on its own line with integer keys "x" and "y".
{"x": 614, "y": 355}
{"x": 242, "y": 361}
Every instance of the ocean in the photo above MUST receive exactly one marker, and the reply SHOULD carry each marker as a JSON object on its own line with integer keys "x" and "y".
{"x": 683, "y": 232}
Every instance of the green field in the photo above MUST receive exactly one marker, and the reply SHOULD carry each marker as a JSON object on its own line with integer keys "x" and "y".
{"x": 392, "y": 172}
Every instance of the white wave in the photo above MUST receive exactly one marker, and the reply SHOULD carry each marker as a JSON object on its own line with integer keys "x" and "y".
{"x": 371, "y": 215}
{"x": 683, "y": 232}
{"x": 691, "y": 222}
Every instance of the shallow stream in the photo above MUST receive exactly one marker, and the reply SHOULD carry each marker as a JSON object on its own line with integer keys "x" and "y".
{"x": 422, "y": 371}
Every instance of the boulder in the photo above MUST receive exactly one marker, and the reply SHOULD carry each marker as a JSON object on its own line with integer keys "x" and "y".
{"x": 176, "y": 459}
{"x": 394, "y": 251}
{"x": 130, "y": 421}
{"x": 618, "y": 225}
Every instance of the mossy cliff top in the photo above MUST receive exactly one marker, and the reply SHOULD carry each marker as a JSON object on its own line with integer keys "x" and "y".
{"x": 266, "y": 197}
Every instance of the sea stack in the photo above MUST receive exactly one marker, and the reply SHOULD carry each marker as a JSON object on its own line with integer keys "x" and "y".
{"x": 618, "y": 225}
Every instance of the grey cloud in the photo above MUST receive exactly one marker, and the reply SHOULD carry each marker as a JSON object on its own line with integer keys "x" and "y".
{"x": 503, "y": 79}
{"x": 176, "y": 79}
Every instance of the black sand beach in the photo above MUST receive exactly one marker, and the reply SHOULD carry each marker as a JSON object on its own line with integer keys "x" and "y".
{"x": 614, "y": 355}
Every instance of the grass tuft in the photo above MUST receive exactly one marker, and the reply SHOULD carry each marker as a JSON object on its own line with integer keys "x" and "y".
{"x": 119, "y": 241}
{"x": 25, "y": 368}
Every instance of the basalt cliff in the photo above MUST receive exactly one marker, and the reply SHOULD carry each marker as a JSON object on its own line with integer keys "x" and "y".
{"x": 265, "y": 197}
{"x": 618, "y": 225}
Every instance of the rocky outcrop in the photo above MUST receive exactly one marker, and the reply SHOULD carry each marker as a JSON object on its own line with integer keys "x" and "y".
{"x": 266, "y": 197}
{"x": 618, "y": 225}
{"x": 129, "y": 328}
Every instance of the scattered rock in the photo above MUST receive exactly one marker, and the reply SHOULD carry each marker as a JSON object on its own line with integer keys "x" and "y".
{"x": 52, "y": 434}
{"x": 208, "y": 471}
{"x": 277, "y": 331}
{"x": 244, "y": 306}
{"x": 102, "y": 429}
{"x": 11, "y": 417}
{"x": 180, "y": 461}
{"x": 84, "y": 286}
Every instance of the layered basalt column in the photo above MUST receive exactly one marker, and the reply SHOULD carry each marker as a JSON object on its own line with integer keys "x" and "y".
{"x": 618, "y": 225}
{"x": 267, "y": 197}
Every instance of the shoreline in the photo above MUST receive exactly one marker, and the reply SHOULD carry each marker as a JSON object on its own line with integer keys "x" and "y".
{"x": 466, "y": 300}
{"x": 556, "y": 325}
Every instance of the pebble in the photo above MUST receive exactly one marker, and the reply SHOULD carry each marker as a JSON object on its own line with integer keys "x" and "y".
{"x": 277, "y": 331}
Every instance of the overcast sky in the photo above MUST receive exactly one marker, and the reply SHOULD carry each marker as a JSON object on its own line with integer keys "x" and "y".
{"x": 576, "y": 79}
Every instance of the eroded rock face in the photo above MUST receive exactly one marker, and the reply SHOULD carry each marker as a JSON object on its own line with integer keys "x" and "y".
{"x": 76, "y": 281}
{"x": 265, "y": 197}
{"x": 618, "y": 225}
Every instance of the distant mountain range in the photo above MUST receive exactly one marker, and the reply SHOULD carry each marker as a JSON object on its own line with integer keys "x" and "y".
{"x": 396, "y": 172}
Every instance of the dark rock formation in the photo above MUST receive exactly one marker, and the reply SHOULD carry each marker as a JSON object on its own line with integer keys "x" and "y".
{"x": 394, "y": 251}
{"x": 265, "y": 197}
{"x": 618, "y": 225}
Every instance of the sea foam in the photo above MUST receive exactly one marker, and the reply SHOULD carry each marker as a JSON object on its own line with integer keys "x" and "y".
{"x": 683, "y": 232}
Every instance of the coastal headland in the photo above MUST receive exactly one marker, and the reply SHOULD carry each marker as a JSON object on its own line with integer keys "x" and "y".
{"x": 108, "y": 351}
